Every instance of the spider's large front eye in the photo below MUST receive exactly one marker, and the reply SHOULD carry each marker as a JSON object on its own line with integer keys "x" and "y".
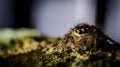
{"x": 84, "y": 30}
{"x": 76, "y": 32}
{"x": 81, "y": 29}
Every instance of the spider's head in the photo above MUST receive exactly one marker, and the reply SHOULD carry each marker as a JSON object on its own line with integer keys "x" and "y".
{"x": 81, "y": 29}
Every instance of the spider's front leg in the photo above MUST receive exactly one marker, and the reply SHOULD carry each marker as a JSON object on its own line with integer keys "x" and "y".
{"x": 104, "y": 38}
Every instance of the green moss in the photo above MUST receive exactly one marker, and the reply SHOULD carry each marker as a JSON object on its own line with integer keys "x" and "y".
{"x": 55, "y": 59}
{"x": 74, "y": 53}
{"x": 75, "y": 57}
{"x": 68, "y": 59}
{"x": 97, "y": 63}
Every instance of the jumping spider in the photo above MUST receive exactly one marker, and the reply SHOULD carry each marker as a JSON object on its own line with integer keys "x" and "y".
{"x": 84, "y": 36}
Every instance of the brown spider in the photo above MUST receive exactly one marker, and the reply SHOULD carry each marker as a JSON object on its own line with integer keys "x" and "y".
{"x": 86, "y": 36}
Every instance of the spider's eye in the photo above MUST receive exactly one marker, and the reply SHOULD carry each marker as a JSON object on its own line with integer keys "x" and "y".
{"x": 81, "y": 30}
{"x": 84, "y": 30}
{"x": 76, "y": 32}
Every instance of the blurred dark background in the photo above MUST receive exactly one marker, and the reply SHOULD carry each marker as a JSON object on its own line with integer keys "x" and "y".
{"x": 22, "y": 12}
{"x": 55, "y": 17}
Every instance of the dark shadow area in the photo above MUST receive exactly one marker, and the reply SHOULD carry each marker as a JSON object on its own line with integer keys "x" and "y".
{"x": 101, "y": 13}
{"x": 22, "y": 10}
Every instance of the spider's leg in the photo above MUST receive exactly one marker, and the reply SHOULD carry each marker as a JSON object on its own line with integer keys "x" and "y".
{"x": 104, "y": 36}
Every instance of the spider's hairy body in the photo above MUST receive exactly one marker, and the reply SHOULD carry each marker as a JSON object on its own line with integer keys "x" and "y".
{"x": 84, "y": 36}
